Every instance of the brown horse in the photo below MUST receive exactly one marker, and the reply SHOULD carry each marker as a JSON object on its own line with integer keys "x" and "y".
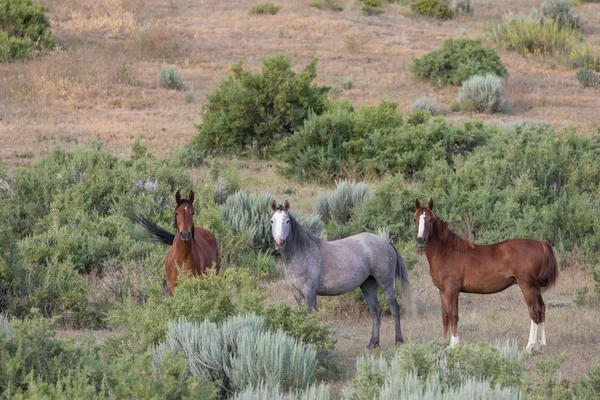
{"x": 458, "y": 265}
{"x": 192, "y": 249}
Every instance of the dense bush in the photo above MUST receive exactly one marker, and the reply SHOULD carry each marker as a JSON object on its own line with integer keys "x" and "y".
{"x": 433, "y": 9}
{"x": 584, "y": 55}
{"x": 251, "y": 213}
{"x": 24, "y": 28}
{"x": 343, "y": 143}
{"x": 211, "y": 297}
{"x": 240, "y": 353}
{"x": 264, "y": 8}
{"x": 462, "y": 7}
{"x": 483, "y": 94}
{"x": 170, "y": 78}
{"x": 587, "y": 77}
{"x": 250, "y": 109}
{"x": 312, "y": 392}
{"x": 525, "y": 182}
{"x": 339, "y": 205}
{"x": 458, "y": 60}
{"x": 34, "y": 363}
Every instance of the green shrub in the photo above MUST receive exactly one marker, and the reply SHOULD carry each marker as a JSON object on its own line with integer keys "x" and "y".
{"x": 458, "y": 60}
{"x": 347, "y": 82}
{"x": 587, "y": 77}
{"x": 425, "y": 103}
{"x": 264, "y": 8}
{"x": 371, "y": 7}
{"x": 212, "y": 297}
{"x": 307, "y": 328}
{"x": 560, "y": 12}
{"x": 534, "y": 36}
{"x": 169, "y": 78}
{"x": 339, "y": 205}
{"x": 36, "y": 364}
{"x": 486, "y": 93}
{"x": 24, "y": 28}
{"x": 343, "y": 143}
{"x": 432, "y": 9}
{"x": 257, "y": 108}
{"x": 333, "y": 5}
{"x": 240, "y": 353}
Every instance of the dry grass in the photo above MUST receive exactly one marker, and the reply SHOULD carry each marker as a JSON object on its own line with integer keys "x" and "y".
{"x": 101, "y": 82}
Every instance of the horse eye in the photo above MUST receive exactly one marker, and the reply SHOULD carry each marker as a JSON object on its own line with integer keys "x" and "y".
{"x": 271, "y": 222}
{"x": 288, "y": 221}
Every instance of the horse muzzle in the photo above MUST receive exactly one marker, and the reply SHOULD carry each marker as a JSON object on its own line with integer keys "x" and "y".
{"x": 421, "y": 241}
{"x": 186, "y": 236}
{"x": 279, "y": 244}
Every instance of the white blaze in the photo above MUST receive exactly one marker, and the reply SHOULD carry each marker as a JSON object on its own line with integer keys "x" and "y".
{"x": 277, "y": 226}
{"x": 421, "y": 225}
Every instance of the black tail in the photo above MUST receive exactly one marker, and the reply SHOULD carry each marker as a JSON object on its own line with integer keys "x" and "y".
{"x": 402, "y": 274}
{"x": 156, "y": 232}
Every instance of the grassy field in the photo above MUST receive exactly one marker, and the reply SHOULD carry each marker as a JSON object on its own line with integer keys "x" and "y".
{"x": 101, "y": 82}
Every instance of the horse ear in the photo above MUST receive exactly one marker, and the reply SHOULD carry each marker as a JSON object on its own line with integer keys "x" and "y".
{"x": 417, "y": 204}
{"x": 273, "y": 205}
{"x": 191, "y": 198}
{"x": 430, "y": 204}
{"x": 178, "y": 197}
{"x": 286, "y": 205}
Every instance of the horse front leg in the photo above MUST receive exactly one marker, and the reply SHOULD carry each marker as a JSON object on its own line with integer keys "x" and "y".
{"x": 444, "y": 316}
{"x": 451, "y": 297}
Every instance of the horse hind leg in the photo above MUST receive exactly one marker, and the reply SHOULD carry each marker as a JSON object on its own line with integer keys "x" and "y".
{"x": 536, "y": 306}
{"x": 542, "y": 325}
{"x": 395, "y": 309}
{"x": 369, "y": 290}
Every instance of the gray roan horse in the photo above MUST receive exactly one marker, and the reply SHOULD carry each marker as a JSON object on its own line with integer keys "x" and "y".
{"x": 315, "y": 267}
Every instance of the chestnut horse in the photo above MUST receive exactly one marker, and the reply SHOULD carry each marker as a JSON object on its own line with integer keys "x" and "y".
{"x": 458, "y": 265}
{"x": 192, "y": 249}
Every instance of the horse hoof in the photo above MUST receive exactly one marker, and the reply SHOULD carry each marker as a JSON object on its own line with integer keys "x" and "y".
{"x": 371, "y": 346}
{"x": 399, "y": 341}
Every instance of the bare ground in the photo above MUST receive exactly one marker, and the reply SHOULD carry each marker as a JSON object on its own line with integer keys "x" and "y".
{"x": 102, "y": 80}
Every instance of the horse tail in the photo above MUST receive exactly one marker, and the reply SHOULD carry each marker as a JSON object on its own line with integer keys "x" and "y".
{"x": 402, "y": 274}
{"x": 549, "y": 273}
{"x": 156, "y": 232}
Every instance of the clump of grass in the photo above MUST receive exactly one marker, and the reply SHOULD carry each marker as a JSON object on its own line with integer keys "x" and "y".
{"x": 462, "y": 7}
{"x": 170, "y": 78}
{"x": 371, "y": 7}
{"x": 333, "y": 5}
{"x": 560, "y": 12}
{"x": 587, "y": 77}
{"x": 335, "y": 91}
{"x": 584, "y": 55}
{"x": 189, "y": 93}
{"x": 265, "y": 8}
{"x": 347, "y": 82}
{"x": 482, "y": 94}
{"x": 427, "y": 104}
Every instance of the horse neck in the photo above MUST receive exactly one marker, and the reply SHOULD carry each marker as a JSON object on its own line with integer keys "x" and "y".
{"x": 300, "y": 244}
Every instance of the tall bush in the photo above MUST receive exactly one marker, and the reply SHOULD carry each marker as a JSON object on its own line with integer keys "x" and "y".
{"x": 483, "y": 94}
{"x": 339, "y": 204}
{"x": 458, "y": 60}
{"x": 250, "y": 108}
{"x": 24, "y": 28}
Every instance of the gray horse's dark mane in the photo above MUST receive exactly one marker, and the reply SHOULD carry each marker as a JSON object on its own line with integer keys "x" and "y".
{"x": 300, "y": 238}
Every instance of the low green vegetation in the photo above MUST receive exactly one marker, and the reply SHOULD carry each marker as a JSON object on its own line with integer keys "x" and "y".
{"x": 24, "y": 29}
{"x": 482, "y": 94}
{"x": 457, "y": 61}
{"x": 264, "y": 8}
{"x": 170, "y": 78}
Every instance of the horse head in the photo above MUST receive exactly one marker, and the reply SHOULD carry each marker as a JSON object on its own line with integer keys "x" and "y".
{"x": 184, "y": 216}
{"x": 280, "y": 223}
{"x": 425, "y": 219}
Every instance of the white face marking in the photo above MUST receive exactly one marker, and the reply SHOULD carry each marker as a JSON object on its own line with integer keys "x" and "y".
{"x": 421, "y": 225}
{"x": 279, "y": 225}
{"x": 185, "y": 208}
